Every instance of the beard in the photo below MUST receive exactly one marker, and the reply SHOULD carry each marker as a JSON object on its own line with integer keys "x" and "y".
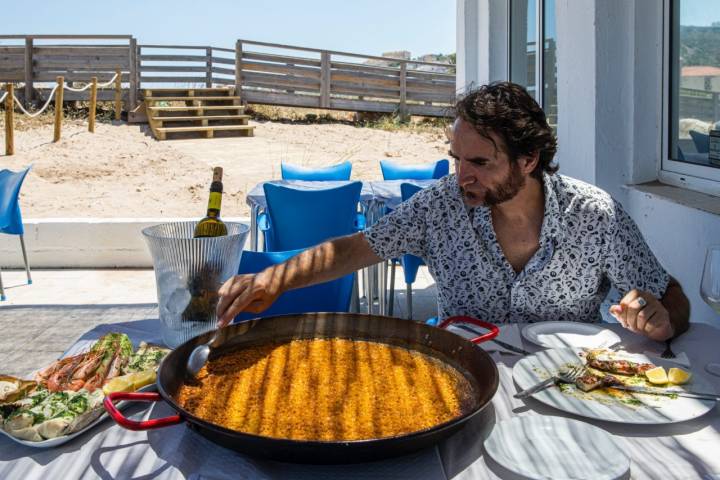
{"x": 506, "y": 190}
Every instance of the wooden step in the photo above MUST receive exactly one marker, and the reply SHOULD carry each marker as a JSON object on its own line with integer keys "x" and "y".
{"x": 189, "y": 118}
{"x": 207, "y": 107}
{"x": 182, "y": 99}
{"x": 209, "y": 131}
{"x": 148, "y": 92}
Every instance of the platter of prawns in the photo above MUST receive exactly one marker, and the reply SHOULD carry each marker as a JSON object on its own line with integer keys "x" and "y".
{"x": 64, "y": 399}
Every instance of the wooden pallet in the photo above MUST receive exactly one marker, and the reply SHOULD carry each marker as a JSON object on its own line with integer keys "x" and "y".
{"x": 207, "y": 111}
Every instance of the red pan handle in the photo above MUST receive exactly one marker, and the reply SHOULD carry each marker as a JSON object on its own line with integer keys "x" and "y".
{"x": 134, "y": 424}
{"x": 494, "y": 330}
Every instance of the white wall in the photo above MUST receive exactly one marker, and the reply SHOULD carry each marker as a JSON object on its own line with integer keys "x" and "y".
{"x": 610, "y": 126}
{"x": 83, "y": 243}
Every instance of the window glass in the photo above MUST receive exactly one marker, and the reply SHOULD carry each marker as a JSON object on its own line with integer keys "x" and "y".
{"x": 695, "y": 82}
{"x": 550, "y": 63}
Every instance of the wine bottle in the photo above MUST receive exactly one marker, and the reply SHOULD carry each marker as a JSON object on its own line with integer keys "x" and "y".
{"x": 211, "y": 225}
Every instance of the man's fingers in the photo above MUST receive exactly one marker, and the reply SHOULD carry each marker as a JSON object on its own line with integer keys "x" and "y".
{"x": 644, "y": 316}
{"x": 619, "y": 314}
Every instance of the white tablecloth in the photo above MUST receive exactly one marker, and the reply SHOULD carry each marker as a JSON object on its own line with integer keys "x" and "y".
{"x": 687, "y": 450}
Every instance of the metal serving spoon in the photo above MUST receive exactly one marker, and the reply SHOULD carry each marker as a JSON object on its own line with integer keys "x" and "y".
{"x": 198, "y": 357}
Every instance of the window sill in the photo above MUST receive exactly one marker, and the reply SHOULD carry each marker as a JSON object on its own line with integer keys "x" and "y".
{"x": 682, "y": 196}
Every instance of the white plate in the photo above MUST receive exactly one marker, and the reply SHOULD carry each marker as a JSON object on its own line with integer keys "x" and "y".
{"x": 54, "y": 442}
{"x": 650, "y": 409}
{"x": 556, "y": 448}
{"x": 569, "y": 335}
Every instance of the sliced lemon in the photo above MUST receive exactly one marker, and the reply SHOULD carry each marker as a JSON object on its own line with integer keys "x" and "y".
{"x": 140, "y": 379}
{"x": 118, "y": 384}
{"x": 678, "y": 376}
{"x": 657, "y": 375}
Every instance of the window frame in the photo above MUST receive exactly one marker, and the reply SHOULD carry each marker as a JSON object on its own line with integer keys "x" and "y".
{"x": 674, "y": 172}
{"x": 539, "y": 49}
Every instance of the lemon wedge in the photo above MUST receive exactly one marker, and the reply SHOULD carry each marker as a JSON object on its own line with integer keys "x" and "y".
{"x": 657, "y": 375}
{"x": 678, "y": 376}
{"x": 118, "y": 384}
{"x": 141, "y": 379}
{"x": 130, "y": 382}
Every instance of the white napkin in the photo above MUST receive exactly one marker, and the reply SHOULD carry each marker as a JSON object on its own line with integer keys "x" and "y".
{"x": 603, "y": 339}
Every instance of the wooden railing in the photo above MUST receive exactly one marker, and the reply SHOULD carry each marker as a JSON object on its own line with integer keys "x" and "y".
{"x": 261, "y": 72}
{"x": 341, "y": 80}
{"x": 36, "y": 63}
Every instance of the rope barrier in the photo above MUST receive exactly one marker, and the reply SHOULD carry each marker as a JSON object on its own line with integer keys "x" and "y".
{"x": 33, "y": 115}
{"x": 3, "y": 97}
{"x": 100, "y": 85}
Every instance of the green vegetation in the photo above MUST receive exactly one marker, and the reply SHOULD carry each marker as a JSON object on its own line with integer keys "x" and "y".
{"x": 700, "y": 46}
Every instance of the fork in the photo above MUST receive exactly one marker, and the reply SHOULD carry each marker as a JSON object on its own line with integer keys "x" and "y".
{"x": 668, "y": 353}
{"x": 564, "y": 375}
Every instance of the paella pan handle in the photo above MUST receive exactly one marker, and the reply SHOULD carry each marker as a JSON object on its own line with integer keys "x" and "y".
{"x": 123, "y": 421}
{"x": 494, "y": 330}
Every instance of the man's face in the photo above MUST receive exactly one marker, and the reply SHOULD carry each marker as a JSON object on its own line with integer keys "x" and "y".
{"x": 485, "y": 173}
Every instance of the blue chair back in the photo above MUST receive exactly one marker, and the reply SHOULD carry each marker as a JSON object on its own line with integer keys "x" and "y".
{"x": 332, "y": 296}
{"x": 341, "y": 171}
{"x": 303, "y": 218}
{"x": 701, "y": 141}
{"x": 395, "y": 171}
{"x": 10, "y": 216}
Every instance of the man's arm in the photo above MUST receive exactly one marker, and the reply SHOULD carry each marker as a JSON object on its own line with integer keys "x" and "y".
{"x": 322, "y": 263}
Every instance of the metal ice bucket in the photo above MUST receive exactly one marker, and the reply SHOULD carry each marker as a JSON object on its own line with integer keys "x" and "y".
{"x": 189, "y": 272}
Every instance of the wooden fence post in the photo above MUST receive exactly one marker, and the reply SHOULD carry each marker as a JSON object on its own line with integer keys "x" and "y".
{"x": 208, "y": 68}
{"x": 238, "y": 69}
{"x": 403, "y": 91}
{"x": 324, "y": 80}
{"x": 134, "y": 75}
{"x": 28, "y": 70}
{"x": 58, "y": 108}
{"x": 118, "y": 93}
{"x": 93, "y": 105}
{"x": 9, "y": 119}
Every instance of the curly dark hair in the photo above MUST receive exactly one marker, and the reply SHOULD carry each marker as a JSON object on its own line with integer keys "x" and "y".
{"x": 508, "y": 110}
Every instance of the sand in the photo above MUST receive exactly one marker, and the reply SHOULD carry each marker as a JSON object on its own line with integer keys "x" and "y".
{"x": 122, "y": 171}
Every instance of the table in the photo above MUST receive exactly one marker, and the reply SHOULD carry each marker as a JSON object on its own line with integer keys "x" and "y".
{"x": 685, "y": 450}
{"x": 375, "y": 197}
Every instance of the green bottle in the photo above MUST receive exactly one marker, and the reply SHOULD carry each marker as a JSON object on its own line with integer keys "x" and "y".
{"x": 211, "y": 225}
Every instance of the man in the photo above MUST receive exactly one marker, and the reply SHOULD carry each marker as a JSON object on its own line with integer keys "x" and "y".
{"x": 506, "y": 238}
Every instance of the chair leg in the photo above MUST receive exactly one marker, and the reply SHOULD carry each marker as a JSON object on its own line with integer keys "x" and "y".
{"x": 355, "y": 302}
{"x": 408, "y": 296}
{"x": 27, "y": 265}
{"x": 391, "y": 298}
{"x": 2, "y": 290}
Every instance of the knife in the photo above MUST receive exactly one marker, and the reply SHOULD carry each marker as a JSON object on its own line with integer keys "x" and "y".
{"x": 679, "y": 393}
{"x": 504, "y": 345}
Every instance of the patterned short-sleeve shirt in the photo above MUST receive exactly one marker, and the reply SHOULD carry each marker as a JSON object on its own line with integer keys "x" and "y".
{"x": 588, "y": 243}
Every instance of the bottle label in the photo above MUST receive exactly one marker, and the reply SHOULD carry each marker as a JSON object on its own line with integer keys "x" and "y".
{"x": 215, "y": 201}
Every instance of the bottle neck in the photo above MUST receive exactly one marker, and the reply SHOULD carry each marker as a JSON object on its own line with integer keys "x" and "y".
{"x": 214, "y": 204}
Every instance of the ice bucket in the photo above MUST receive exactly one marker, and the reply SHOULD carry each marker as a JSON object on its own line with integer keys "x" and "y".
{"x": 188, "y": 273}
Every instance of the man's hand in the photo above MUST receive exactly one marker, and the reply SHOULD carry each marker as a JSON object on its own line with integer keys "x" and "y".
{"x": 244, "y": 293}
{"x": 642, "y": 313}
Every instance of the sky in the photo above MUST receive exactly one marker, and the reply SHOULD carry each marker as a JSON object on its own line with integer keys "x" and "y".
{"x": 368, "y": 27}
{"x": 700, "y": 13}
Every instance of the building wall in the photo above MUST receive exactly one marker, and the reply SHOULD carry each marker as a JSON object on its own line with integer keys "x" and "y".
{"x": 610, "y": 125}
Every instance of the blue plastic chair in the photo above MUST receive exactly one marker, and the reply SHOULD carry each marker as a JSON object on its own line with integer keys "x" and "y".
{"x": 332, "y": 296}
{"x": 10, "y": 216}
{"x": 298, "y": 218}
{"x": 341, "y": 171}
{"x": 396, "y": 171}
{"x": 701, "y": 141}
